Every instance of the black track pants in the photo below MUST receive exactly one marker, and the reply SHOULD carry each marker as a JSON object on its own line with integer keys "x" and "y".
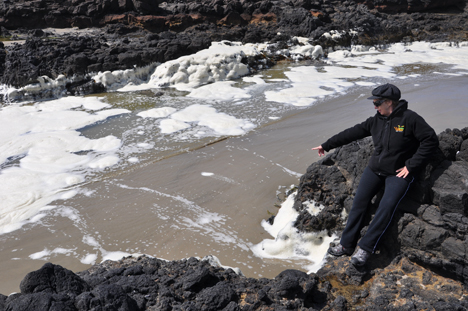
{"x": 369, "y": 186}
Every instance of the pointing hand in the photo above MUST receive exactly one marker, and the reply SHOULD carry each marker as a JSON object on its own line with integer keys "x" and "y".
{"x": 320, "y": 150}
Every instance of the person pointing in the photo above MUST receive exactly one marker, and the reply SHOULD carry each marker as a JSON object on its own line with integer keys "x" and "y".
{"x": 403, "y": 143}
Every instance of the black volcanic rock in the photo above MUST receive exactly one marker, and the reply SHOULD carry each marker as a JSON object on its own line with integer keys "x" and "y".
{"x": 121, "y": 29}
{"x": 146, "y": 283}
{"x": 431, "y": 226}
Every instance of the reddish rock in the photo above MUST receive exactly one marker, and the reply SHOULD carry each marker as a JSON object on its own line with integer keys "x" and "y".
{"x": 232, "y": 19}
{"x": 263, "y": 18}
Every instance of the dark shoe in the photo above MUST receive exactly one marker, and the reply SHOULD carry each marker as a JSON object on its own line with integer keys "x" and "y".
{"x": 360, "y": 258}
{"x": 339, "y": 250}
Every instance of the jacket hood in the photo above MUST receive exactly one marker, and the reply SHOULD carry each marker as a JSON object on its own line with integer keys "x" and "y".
{"x": 402, "y": 106}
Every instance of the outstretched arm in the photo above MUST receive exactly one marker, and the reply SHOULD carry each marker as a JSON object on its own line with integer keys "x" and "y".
{"x": 347, "y": 136}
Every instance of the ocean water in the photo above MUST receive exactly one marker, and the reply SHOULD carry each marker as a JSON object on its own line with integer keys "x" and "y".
{"x": 190, "y": 157}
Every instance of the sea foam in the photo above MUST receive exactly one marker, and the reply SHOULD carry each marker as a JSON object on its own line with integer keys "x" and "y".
{"x": 289, "y": 243}
{"x": 40, "y": 154}
{"x": 44, "y": 157}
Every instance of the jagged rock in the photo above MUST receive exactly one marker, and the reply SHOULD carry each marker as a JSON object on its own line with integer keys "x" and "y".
{"x": 451, "y": 188}
{"x": 106, "y": 297}
{"x": 146, "y": 283}
{"x": 216, "y": 297}
{"x": 52, "y": 279}
{"x": 413, "y": 5}
{"x": 194, "y": 25}
{"x": 431, "y": 226}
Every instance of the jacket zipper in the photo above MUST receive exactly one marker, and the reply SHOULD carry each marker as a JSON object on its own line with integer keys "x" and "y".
{"x": 384, "y": 135}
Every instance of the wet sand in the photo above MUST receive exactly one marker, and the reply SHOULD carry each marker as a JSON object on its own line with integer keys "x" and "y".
{"x": 173, "y": 209}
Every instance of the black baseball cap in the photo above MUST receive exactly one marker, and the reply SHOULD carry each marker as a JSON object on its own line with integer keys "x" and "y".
{"x": 386, "y": 91}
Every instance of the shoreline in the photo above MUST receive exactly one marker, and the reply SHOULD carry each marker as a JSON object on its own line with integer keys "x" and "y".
{"x": 297, "y": 133}
{"x": 143, "y": 282}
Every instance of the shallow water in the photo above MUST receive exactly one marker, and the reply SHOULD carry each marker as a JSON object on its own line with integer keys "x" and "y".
{"x": 191, "y": 194}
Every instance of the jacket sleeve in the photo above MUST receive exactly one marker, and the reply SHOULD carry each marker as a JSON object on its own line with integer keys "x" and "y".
{"x": 349, "y": 135}
{"x": 428, "y": 143}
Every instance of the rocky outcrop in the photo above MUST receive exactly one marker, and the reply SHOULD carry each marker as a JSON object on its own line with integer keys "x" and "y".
{"x": 80, "y": 55}
{"x": 400, "y": 6}
{"x": 69, "y": 13}
{"x": 130, "y": 33}
{"x": 145, "y": 283}
{"x": 420, "y": 264}
{"x": 429, "y": 232}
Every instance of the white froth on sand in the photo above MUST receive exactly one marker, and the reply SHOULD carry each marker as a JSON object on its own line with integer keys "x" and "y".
{"x": 115, "y": 256}
{"x": 45, "y": 254}
{"x": 289, "y": 243}
{"x": 39, "y": 148}
{"x": 169, "y": 126}
{"x": 254, "y": 79}
{"x": 221, "y": 61}
{"x": 157, "y": 112}
{"x": 205, "y": 116}
{"x": 104, "y": 162}
{"x": 310, "y": 83}
{"x": 306, "y": 50}
{"x": 89, "y": 259}
{"x": 133, "y": 160}
{"x": 122, "y": 78}
{"x": 219, "y": 90}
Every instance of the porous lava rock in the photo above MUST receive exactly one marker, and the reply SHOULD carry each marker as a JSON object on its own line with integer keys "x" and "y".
{"x": 429, "y": 229}
{"x": 129, "y": 33}
{"x": 145, "y": 283}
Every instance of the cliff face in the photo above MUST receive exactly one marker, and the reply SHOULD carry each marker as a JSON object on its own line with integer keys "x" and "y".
{"x": 420, "y": 264}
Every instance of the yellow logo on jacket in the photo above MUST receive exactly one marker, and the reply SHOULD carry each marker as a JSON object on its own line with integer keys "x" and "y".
{"x": 399, "y": 128}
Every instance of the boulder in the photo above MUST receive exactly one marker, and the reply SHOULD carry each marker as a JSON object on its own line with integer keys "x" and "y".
{"x": 431, "y": 225}
{"x": 53, "y": 279}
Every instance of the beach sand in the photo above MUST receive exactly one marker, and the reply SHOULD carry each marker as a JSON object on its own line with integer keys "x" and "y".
{"x": 211, "y": 201}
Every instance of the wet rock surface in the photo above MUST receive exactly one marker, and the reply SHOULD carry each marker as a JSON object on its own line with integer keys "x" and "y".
{"x": 419, "y": 265}
{"x": 124, "y": 34}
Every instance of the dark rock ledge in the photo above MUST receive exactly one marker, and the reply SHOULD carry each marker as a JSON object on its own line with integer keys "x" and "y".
{"x": 128, "y": 33}
{"x": 421, "y": 263}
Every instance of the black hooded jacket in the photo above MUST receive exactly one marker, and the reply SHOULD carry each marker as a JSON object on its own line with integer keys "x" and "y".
{"x": 401, "y": 139}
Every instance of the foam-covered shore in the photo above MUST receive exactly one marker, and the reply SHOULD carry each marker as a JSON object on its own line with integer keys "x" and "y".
{"x": 78, "y": 220}
{"x": 394, "y": 275}
{"x": 45, "y": 141}
{"x": 45, "y": 158}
